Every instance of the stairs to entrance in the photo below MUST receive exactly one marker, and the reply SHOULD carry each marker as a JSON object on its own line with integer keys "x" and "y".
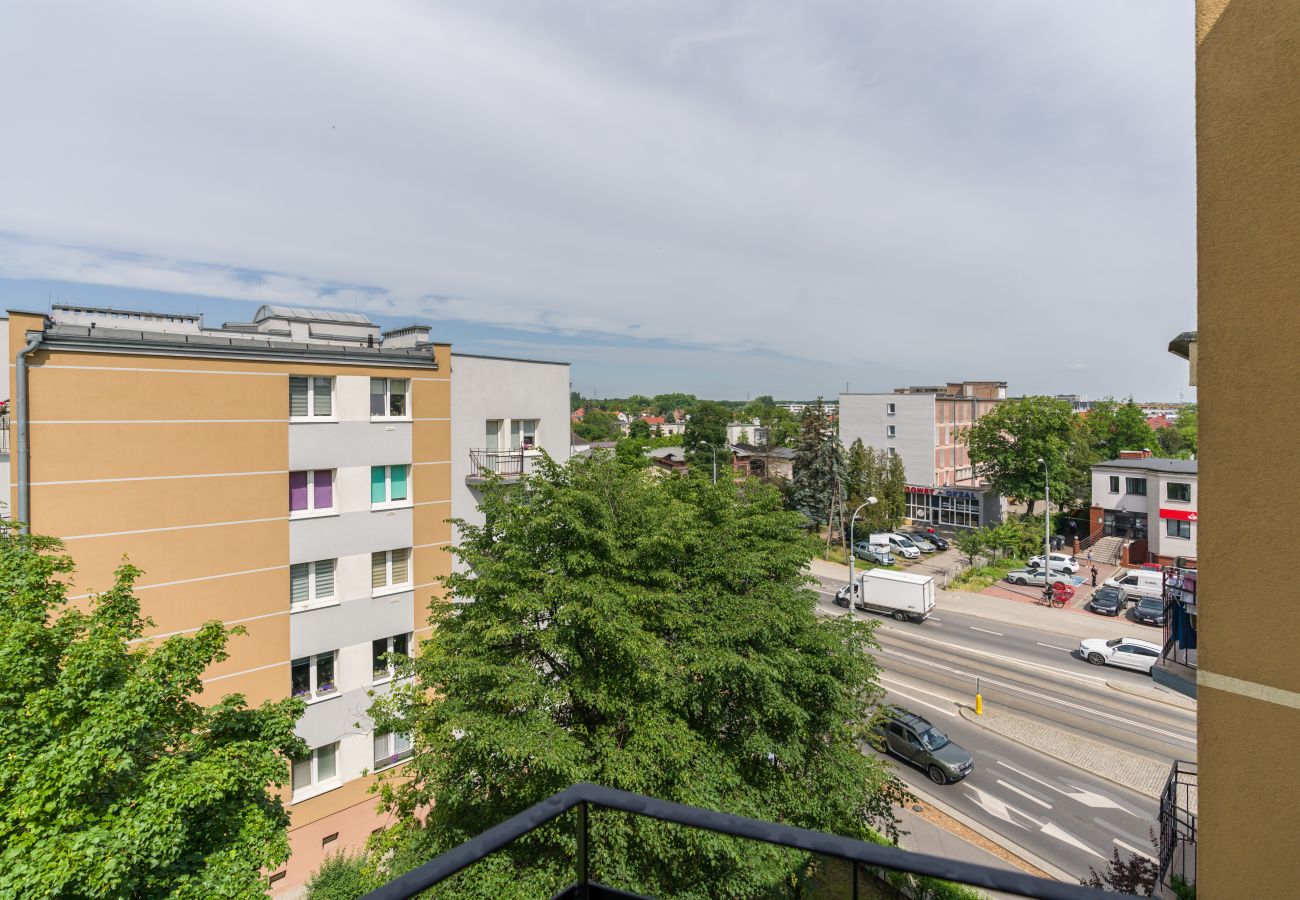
{"x": 1106, "y": 549}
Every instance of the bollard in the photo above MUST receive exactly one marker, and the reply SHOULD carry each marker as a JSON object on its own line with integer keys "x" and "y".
{"x": 979, "y": 700}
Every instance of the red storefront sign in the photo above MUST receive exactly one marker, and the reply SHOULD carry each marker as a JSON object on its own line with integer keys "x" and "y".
{"x": 1185, "y": 515}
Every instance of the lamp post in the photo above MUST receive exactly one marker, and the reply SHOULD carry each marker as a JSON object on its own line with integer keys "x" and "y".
{"x": 870, "y": 501}
{"x": 1047, "y": 527}
{"x": 714, "y": 451}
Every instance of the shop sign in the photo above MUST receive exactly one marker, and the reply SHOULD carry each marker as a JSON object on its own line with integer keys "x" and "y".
{"x": 942, "y": 492}
{"x": 1183, "y": 514}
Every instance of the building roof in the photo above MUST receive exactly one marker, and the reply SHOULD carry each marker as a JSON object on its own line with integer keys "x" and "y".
{"x": 1180, "y": 345}
{"x": 1152, "y": 464}
{"x": 302, "y": 313}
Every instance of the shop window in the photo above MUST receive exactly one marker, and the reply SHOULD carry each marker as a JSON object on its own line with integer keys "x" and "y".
{"x": 1178, "y": 528}
{"x": 1181, "y": 493}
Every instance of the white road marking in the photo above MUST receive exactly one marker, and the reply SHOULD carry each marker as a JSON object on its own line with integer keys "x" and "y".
{"x": 946, "y": 712}
{"x": 994, "y": 807}
{"x": 935, "y": 619}
{"x": 1068, "y": 673}
{"x": 1134, "y": 850}
{"x": 1027, "y": 796}
{"x": 1087, "y": 798}
{"x": 1045, "y": 697}
{"x": 986, "y": 631}
{"x": 1053, "y": 830}
{"x": 913, "y": 687}
{"x": 1054, "y": 647}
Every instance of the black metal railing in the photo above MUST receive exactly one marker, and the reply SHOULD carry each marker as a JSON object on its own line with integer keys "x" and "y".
{"x": 4, "y": 434}
{"x": 1178, "y": 825}
{"x": 497, "y": 462}
{"x": 583, "y": 798}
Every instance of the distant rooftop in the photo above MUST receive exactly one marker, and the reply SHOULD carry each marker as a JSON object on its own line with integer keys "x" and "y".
{"x": 303, "y": 314}
{"x": 1151, "y": 464}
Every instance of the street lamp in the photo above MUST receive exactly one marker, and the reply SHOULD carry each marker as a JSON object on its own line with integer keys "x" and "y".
{"x": 870, "y": 501}
{"x": 714, "y": 451}
{"x": 1047, "y": 526}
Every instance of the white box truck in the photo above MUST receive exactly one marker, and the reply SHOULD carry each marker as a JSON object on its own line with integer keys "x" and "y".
{"x": 1137, "y": 583}
{"x": 902, "y": 595}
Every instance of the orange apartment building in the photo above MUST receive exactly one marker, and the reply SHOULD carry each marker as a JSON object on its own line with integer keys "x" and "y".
{"x": 291, "y": 475}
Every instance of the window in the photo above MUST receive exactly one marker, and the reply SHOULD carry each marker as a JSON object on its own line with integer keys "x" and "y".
{"x": 310, "y": 398}
{"x": 382, "y": 651}
{"x": 390, "y": 569}
{"x": 317, "y": 767}
{"x": 391, "y": 748}
{"x": 1135, "y": 486}
{"x": 311, "y": 583}
{"x": 523, "y": 434}
{"x": 890, "y": 409}
{"x": 893, "y": 451}
{"x": 1114, "y": 484}
{"x": 388, "y": 398}
{"x": 311, "y": 491}
{"x": 313, "y": 676}
{"x": 388, "y": 485}
{"x": 1178, "y": 528}
{"x": 1179, "y": 492}
{"x": 493, "y": 434}
{"x": 891, "y": 430}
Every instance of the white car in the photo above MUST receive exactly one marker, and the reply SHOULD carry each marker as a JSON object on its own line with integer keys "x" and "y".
{"x": 1061, "y": 561}
{"x": 904, "y": 547}
{"x": 1127, "y": 653}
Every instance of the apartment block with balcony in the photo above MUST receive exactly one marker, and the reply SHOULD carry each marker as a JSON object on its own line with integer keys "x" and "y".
{"x": 290, "y": 474}
{"x": 505, "y": 414}
{"x": 922, "y": 425}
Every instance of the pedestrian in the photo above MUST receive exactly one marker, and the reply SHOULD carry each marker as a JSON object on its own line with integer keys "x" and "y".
{"x": 1090, "y": 556}
{"x": 1094, "y": 576}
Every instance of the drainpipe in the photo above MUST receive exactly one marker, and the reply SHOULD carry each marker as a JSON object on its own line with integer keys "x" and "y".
{"x": 24, "y": 448}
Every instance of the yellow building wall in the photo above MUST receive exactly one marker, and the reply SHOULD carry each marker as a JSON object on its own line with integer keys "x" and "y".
{"x": 1248, "y": 244}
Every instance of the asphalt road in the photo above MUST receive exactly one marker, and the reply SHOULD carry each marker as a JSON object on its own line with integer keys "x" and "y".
{"x": 1057, "y": 811}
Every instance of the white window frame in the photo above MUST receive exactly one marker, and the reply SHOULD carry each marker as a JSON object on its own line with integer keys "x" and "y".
{"x": 1175, "y": 525}
{"x": 891, "y": 431}
{"x": 1112, "y": 482}
{"x": 1131, "y": 482}
{"x": 316, "y": 785}
{"x": 1170, "y": 485}
{"x": 407, "y": 501}
{"x": 517, "y": 433}
{"x": 388, "y": 395}
{"x": 314, "y": 693}
{"x": 312, "y": 415}
{"x": 388, "y": 665}
{"x": 891, "y": 409}
{"x": 314, "y": 598}
{"x": 391, "y": 758}
{"x": 311, "y": 511}
{"x": 389, "y": 587}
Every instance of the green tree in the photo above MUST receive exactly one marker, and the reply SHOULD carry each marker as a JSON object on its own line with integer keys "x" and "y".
{"x": 707, "y": 428}
{"x": 654, "y": 635}
{"x": 637, "y": 403}
{"x": 820, "y": 478}
{"x": 575, "y": 401}
{"x": 342, "y": 876}
{"x": 114, "y": 782}
{"x": 664, "y": 404}
{"x": 1007, "y": 442}
{"x": 1112, "y": 426}
{"x": 893, "y": 488}
{"x": 971, "y": 543}
{"x": 1170, "y": 440}
{"x": 639, "y": 429}
{"x": 1186, "y": 425}
{"x": 598, "y": 425}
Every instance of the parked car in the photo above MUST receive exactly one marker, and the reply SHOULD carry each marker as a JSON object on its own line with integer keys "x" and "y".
{"x": 920, "y": 540}
{"x": 1138, "y": 583}
{"x": 1107, "y": 601}
{"x": 1035, "y": 576}
{"x": 1059, "y": 561}
{"x": 913, "y": 738}
{"x": 941, "y": 543}
{"x": 1127, "y": 653}
{"x": 903, "y": 546}
{"x": 878, "y": 555}
{"x": 1149, "y": 611}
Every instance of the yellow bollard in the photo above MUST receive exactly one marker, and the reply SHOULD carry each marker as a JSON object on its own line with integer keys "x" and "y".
{"x": 979, "y": 705}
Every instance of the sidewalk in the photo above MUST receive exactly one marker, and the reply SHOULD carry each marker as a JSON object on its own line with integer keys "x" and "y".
{"x": 1074, "y": 623}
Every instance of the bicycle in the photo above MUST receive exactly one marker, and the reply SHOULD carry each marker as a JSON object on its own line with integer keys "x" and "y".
{"x": 1056, "y": 595}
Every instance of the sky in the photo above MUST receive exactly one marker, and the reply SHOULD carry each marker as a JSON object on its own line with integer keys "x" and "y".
{"x": 725, "y": 198}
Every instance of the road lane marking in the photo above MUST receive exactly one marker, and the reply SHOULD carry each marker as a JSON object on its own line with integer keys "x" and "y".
{"x": 1054, "y": 647}
{"x": 1026, "y": 795}
{"x": 935, "y": 619}
{"x": 1009, "y": 659}
{"x": 995, "y": 807}
{"x": 1131, "y": 849}
{"x": 1088, "y": 798}
{"x": 985, "y": 630}
{"x": 1044, "y": 697}
{"x": 946, "y": 712}
{"x": 913, "y": 687}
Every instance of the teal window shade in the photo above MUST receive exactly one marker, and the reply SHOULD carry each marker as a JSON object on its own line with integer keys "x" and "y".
{"x": 377, "y": 484}
{"x": 398, "y": 478}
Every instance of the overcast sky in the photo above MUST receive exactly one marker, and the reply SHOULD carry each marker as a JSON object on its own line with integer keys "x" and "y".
{"x": 722, "y": 198}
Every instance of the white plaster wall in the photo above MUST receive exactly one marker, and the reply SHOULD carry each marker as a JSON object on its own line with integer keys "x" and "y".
{"x": 866, "y": 416}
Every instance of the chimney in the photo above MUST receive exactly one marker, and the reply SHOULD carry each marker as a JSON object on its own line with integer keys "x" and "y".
{"x": 1144, "y": 453}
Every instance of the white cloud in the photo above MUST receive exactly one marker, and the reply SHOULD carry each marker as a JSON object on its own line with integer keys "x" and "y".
{"x": 831, "y": 181}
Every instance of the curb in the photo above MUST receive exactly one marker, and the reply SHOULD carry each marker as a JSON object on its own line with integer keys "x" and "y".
{"x": 987, "y": 833}
{"x": 1175, "y": 700}
{"x": 969, "y": 715}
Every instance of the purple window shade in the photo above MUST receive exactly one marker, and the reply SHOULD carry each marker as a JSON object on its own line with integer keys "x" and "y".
{"x": 297, "y": 490}
{"x": 323, "y": 489}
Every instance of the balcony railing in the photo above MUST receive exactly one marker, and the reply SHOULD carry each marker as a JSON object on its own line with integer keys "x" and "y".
{"x": 4, "y": 434}
{"x": 867, "y": 861}
{"x": 505, "y": 463}
{"x": 1178, "y": 826}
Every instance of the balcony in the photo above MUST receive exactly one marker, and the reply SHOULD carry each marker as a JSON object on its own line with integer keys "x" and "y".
{"x": 1178, "y": 829}
{"x": 509, "y": 465}
{"x": 850, "y": 868}
{"x": 1176, "y": 667}
{"x": 4, "y": 435}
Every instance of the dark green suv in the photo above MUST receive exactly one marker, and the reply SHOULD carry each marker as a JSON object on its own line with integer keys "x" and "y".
{"x": 913, "y": 738}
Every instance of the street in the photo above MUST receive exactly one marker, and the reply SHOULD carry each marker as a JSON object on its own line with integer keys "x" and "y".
{"x": 1058, "y": 811}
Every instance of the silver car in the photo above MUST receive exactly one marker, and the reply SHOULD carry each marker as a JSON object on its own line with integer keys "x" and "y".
{"x": 1035, "y": 576}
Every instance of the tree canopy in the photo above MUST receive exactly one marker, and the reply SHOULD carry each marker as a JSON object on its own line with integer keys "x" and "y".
{"x": 707, "y": 428}
{"x": 1007, "y": 442}
{"x": 653, "y": 634}
{"x": 1112, "y": 426}
{"x": 820, "y": 476}
{"x": 597, "y": 425}
{"x": 114, "y": 782}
